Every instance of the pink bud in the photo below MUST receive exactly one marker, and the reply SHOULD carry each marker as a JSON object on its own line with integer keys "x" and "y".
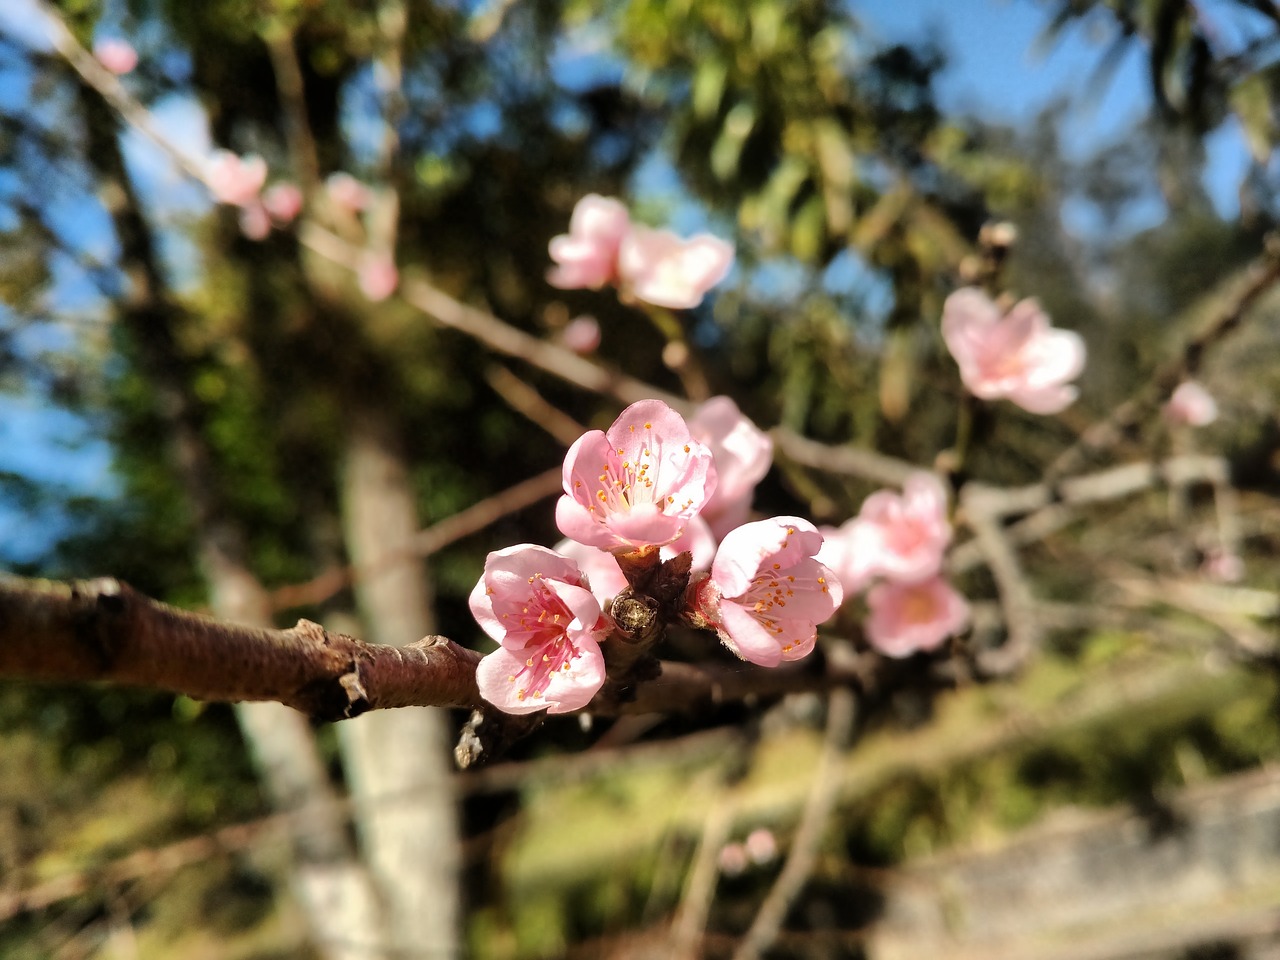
{"x": 254, "y": 222}
{"x": 235, "y": 180}
{"x": 116, "y": 55}
{"x": 908, "y": 617}
{"x": 377, "y": 276}
{"x": 586, "y": 256}
{"x": 1191, "y": 405}
{"x": 658, "y": 267}
{"x": 1016, "y": 355}
{"x": 762, "y": 845}
{"x": 283, "y": 201}
{"x": 581, "y": 335}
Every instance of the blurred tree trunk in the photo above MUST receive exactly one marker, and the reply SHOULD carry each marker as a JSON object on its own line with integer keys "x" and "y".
{"x": 330, "y": 883}
{"x": 398, "y": 760}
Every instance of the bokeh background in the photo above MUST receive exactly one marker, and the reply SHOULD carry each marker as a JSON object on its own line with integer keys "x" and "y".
{"x": 228, "y": 424}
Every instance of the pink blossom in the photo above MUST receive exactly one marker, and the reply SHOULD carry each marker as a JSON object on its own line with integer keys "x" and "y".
{"x": 116, "y": 55}
{"x": 254, "y": 222}
{"x": 235, "y": 180}
{"x": 639, "y": 484}
{"x": 767, "y": 594}
{"x": 587, "y": 255}
{"x": 1191, "y": 405}
{"x": 761, "y": 844}
{"x": 743, "y": 456}
{"x": 348, "y": 193}
{"x": 658, "y": 267}
{"x": 606, "y": 577}
{"x": 377, "y": 276}
{"x": 901, "y": 537}
{"x": 1016, "y": 356}
{"x": 907, "y": 617}
{"x": 581, "y": 335}
{"x": 536, "y": 604}
{"x": 283, "y": 201}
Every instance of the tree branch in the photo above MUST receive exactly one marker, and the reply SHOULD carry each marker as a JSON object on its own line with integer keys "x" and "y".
{"x": 104, "y": 630}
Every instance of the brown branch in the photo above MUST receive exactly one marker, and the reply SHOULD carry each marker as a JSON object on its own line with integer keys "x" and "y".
{"x": 102, "y": 629}
{"x": 525, "y": 400}
{"x": 795, "y": 873}
{"x": 1260, "y": 276}
{"x": 854, "y": 461}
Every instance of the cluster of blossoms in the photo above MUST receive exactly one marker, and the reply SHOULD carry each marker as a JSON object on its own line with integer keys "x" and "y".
{"x": 649, "y": 483}
{"x": 239, "y": 181}
{"x": 604, "y": 247}
{"x": 896, "y": 544}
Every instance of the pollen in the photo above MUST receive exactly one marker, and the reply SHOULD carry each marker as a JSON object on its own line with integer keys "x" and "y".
{"x": 647, "y": 426}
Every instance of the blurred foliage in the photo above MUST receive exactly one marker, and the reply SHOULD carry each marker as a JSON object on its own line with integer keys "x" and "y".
{"x": 853, "y": 200}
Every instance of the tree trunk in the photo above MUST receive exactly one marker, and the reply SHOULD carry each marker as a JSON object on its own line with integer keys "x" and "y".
{"x": 397, "y": 761}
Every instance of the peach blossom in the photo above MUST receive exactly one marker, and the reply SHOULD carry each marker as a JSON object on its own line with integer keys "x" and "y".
{"x": 283, "y": 201}
{"x": 235, "y": 180}
{"x": 743, "y": 454}
{"x": 1016, "y": 356}
{"x": 901, "y": 537}
{"x": 586, "y": 256}
{"x": 658, "y": 267}
{"x": 767, "y": 594}
{"x": 638, "y": 485}
{"x": 908, "y": 617}
{"x": 1191, "y": 405}
{"x": 116, "y": 55}
{"x": 536, "y": 604}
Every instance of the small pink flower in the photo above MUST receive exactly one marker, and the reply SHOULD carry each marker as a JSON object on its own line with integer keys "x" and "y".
{"x": 762, "y": 845}
{"x": 732, "y": 859}
{"x": 587, "y": 255}
{"x": 377, "y": 276}
{"x": 538, "y": 607}
{"x": 638, "y": 485}
{"x": 901, "y": 537}
{"x": 1191, "y": 405}
{"x": 235, "y": 180}
{"x": 581, "y": 335}
{"x": 283, "y": 201}
{"x": 116, "y": 55}
{"x": 658, "y": 267}
{"x": 254, "y": 221}
{"x": 907, "y": 617}
{"x": 743, "y": 456}
{"x": 767, "y": 594}
{"x": 347, "y": 192}
{"x": 1016, "y": 356}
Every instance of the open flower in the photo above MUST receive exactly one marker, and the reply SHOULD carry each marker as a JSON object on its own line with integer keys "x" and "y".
{"x": 235, "y": 180}
{"x": 901, "y": 537}
{"x": 638, "y": 485}
{"x": 587, "y": 256}
{"x": 658, "y": 267}
{"x": 538, "y": 607}
{"x": 116, "y": 55}
{"x": 767, "y": 594}
{"x": 743, "y": 454}
{"x": 1016, "y": 356}
{"x": 907, "y": 617}
{"x": 1191, "y": 405}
